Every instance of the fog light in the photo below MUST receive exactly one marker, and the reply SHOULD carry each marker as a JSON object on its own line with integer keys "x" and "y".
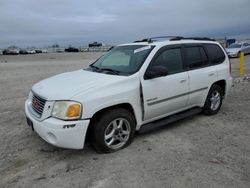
{"x": 51, "y": 138}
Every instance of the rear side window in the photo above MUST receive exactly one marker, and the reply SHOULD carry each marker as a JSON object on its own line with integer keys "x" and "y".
{"x": 215, "y": 53}
{"x": 196, "y": 57}
{"x": 204, "y": 56}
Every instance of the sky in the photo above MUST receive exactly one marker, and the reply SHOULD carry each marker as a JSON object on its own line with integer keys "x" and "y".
{"x": 79, "y": 22}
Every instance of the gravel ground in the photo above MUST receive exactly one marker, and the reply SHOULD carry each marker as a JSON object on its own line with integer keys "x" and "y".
{"x": 201, "y": 151}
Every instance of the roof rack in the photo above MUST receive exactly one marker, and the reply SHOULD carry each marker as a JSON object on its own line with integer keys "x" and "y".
{"x": 152, "y": 39}
{"x": 173, "y": 38}
{"x": 143, "y": 40}
{"x": 191, "y": 38}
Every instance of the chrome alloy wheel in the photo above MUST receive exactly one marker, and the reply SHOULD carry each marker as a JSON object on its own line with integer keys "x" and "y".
{"x": 117, "y": 133}
{"x": 215, "y": 100}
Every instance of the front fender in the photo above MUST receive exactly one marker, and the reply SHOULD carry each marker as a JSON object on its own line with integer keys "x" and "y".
{"x": 125, "y": 91}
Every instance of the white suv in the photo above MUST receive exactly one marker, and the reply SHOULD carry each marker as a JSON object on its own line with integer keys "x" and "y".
{"x": 134, "y": 87}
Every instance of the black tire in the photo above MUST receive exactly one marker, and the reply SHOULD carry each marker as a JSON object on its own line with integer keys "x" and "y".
{"x": 208, "y": 109}
{"x": 106, "y": 121}
{"x": 238, "y": 54}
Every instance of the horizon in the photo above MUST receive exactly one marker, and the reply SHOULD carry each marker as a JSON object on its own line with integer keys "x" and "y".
{"x": 65, "y": 44}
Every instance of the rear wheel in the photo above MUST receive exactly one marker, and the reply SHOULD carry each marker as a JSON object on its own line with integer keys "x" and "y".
{"x": 113, "y": 130}
{"x": 213, "y": 101}
{"x": 238, "y": 54}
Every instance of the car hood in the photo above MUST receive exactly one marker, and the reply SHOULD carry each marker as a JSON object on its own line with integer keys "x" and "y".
{"x": 65, "y": 86}
{"x": 233, "y": 50}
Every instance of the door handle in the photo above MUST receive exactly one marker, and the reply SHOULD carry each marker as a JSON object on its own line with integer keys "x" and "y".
{"x": 211, "y": 74}
{"x": 183, "y": 80}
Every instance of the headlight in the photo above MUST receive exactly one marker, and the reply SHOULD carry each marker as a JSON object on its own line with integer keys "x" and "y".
{"x": 67, "y": 110}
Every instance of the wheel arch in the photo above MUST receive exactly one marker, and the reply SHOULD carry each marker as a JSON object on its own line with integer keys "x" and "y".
{"x": 222, "y": 84}
{"x": 97, "y": 114}
{"x": 126, "y": 106}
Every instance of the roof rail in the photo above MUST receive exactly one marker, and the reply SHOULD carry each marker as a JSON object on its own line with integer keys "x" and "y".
{"x": 192, "y": 38}
{"x": 152, "y": 39}
{"x": 173, "y": 38}
{"x": 143, "y": 40}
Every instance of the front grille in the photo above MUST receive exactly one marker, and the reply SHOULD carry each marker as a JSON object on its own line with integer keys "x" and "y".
{"x": 38, "y": 104}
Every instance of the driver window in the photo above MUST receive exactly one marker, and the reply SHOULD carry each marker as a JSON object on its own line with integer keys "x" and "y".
{"x": 171, "y": 59}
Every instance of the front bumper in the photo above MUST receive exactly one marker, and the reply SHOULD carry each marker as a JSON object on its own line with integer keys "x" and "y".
{"x": 65, "y": 134}
{"x": 232, "y": 54}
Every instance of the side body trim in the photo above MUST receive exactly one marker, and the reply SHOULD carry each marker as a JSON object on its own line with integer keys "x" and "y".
{"x": 174, "y": 97}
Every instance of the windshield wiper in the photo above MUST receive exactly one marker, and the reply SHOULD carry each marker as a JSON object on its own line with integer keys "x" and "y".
{"x": 94, "y": 67}
{"x": 110, "y": 70}
{"x": 98, "y": 69}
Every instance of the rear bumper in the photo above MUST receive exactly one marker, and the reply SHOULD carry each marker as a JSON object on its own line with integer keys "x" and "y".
{"x": 65, "y": 134}
{"x": 229, "y": 85}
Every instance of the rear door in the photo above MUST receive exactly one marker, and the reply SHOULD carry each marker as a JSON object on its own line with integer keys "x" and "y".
{"x": 167, "y": 94}
{"x": 201, "y": 74}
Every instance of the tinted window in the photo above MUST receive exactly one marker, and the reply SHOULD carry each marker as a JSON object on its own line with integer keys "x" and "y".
{"x": 204, "y": 56}
{"x": 193, "y": 57}
{"x": 196, "y": 57}
{"x": 171, "y": 59}
{"x": 215, "y": 53}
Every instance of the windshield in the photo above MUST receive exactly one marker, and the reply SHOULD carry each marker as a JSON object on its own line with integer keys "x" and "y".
{"x": 122, "y": 60}
{"x": 235, "y": 46}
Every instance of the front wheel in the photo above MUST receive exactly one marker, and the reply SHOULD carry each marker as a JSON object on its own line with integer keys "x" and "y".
{"x": 113, "y": 130}
{"x": 213, "y": 101}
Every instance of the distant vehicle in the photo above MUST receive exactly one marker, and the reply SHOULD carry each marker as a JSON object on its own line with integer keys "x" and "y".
{"x": 38, "y": 51}
{"x": 234, "y": 49}
{"x": 11, "y": 52}
{"x": 59, "y": 50}
{"x": 23, "y": 52}
{"x": 72, "y": 49}
{"x": 95, "y": 44}
{"x": 44, "y": 51}
{"x": 31, "y": 51}
{"x": 85, "y": 50}
{"x": 230, "y": 41}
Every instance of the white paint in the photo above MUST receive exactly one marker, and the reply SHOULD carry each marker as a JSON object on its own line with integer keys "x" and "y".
{"x": 96, "y": 91}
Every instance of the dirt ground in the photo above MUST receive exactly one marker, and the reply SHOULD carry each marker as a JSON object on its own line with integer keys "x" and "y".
{"x": 201, "y": 151}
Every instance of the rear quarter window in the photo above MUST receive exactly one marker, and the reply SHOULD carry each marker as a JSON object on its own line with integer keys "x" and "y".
{"x": 215, "y": 53}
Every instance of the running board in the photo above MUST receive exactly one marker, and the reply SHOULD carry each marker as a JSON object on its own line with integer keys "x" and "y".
{"x": 170, "y": 119}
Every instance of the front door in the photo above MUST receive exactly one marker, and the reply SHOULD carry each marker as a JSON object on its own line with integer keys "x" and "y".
{"x": 167, "y": 94}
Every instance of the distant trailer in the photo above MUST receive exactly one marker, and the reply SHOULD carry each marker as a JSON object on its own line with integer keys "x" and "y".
{"x": 230, "y": 41}
{"x": 95, "y": 44}
{"x": 72, "y": 49}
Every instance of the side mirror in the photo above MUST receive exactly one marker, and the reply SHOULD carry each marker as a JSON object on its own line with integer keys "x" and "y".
{"x": 155, "y": 72}
{"x": 110, "y": 48}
